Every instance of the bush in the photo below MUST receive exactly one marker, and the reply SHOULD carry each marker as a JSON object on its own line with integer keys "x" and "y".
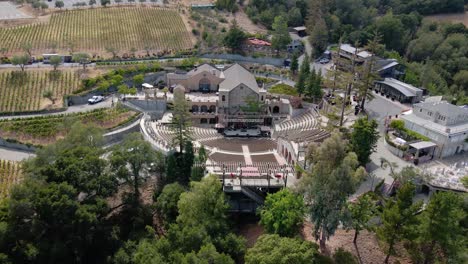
{"x": 283, "y": 89}
{"x": 398, "y": 125}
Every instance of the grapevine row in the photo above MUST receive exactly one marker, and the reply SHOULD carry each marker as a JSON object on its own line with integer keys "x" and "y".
{"x": 10, "y": 174}
{"x": 94, "y": 30}
{"x": 25, "y": 93}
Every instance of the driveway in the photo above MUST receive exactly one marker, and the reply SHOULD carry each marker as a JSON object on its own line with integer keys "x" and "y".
{"x": 378, "y": 109}
{"x": 308, "y": 50}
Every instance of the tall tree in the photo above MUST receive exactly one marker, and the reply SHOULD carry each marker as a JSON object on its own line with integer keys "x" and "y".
{"x": 350, "y": 84}
{"x": 364, "y": 139}
{"x": 48, "y": 216}
{"x": 303, "y": 74}
{"x": 294, "y": 64}
{"x": 361, "y": 212}
{"x": 234, "y": 37}
{"x": 180, "y": 123}
{"x": 398, "y": 219}
{"x": 440, "y": 233}
{"x": 280, "y": 36}
{"x": 167, "y": 202}
{"x": 310, "y": 86}
{"x": 319, "y": 37}
{"x": 282, "y": 213}
{"x": 332, "y": 178}
{"x": 133, "y": 161}
{"x": 370, "y": 74}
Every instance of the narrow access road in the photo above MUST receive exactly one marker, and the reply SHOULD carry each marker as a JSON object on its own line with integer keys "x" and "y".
{"x": 72, "y": 109}
{"x": 14, "y": 155}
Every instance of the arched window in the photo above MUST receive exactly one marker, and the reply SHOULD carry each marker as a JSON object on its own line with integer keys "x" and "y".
{"x": 195, "y": 108}
{"x": 261, "y": 99}
{"x": 275, "y": 109}
{"x": 204, "y": 108}
{"x": 212, "y": 109}
{"x": 223, "y": 98}
{"x": 204, "y": 85}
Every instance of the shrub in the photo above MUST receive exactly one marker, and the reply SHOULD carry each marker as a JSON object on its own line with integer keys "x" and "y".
{"x": 283, "y": 89}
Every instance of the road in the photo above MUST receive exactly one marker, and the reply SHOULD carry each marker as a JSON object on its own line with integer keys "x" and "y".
{"x": 378, "y": 109}
{"x": 14, "y": 155}
{"x": 308, "y": 50}
{"x": 72, "y": 109}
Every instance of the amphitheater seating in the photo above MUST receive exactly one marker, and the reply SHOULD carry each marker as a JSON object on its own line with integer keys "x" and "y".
{"x": 163, "y": 135}
{"x": 306, "y": 121}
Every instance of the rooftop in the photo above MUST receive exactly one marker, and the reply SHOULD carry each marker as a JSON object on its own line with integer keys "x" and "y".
{"x": 406, "y": 89}
{"x": 300, "y": 28}
{"x": 235, "y": 75}
{"x": 383, "y": 64}
{"x": 360, "y": 52}
{"x": 205, "y": 68}
{"x": 439, "y": 128}
{"x": 443, "y": 107}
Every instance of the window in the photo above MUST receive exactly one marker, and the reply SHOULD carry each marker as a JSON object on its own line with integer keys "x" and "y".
{"x": 223, "y": 98}
{"x": 261, "y": 98}
{"x": 420, "y": 109}
{"x": 430, "y": 113}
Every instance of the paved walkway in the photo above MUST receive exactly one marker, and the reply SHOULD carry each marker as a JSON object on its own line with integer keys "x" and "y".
{"x": 246, "y": 153}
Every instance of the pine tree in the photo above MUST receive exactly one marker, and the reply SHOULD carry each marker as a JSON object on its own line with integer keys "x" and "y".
{"x": 361, "y": 212}
{"x": 398, "y": 218}
{"x": 311, "y": 82}
{"x": 303, "y": 75}
{"x": 294, "y": 64}
{"x": 440, "y": 233}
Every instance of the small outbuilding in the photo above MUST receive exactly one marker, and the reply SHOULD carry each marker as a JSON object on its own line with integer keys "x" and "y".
{"x": 300, "y": 31}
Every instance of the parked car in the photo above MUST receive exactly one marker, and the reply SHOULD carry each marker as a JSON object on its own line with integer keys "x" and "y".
{"x": 324, "y": 61}
{"x": 95, "y": 99}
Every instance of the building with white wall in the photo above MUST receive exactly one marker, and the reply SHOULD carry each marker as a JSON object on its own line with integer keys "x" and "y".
{"x": 445, "y": 124}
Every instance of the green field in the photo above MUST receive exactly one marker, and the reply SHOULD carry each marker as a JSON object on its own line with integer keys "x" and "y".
{"x": 94, "y": 30}
{"x": 23, "y": 92}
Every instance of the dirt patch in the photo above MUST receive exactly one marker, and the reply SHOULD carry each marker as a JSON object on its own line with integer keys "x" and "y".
{"x": 246, "y": 24}
{"x": 247, "y": 226}
{"x": 452, "y": 18}
{"x": 367, "y": 250}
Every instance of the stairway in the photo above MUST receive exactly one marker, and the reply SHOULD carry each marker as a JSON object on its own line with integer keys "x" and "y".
{"x": 252, "y": 195}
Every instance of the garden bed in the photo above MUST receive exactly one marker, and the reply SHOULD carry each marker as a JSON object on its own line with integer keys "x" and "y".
{"x": 44, "y": 130}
